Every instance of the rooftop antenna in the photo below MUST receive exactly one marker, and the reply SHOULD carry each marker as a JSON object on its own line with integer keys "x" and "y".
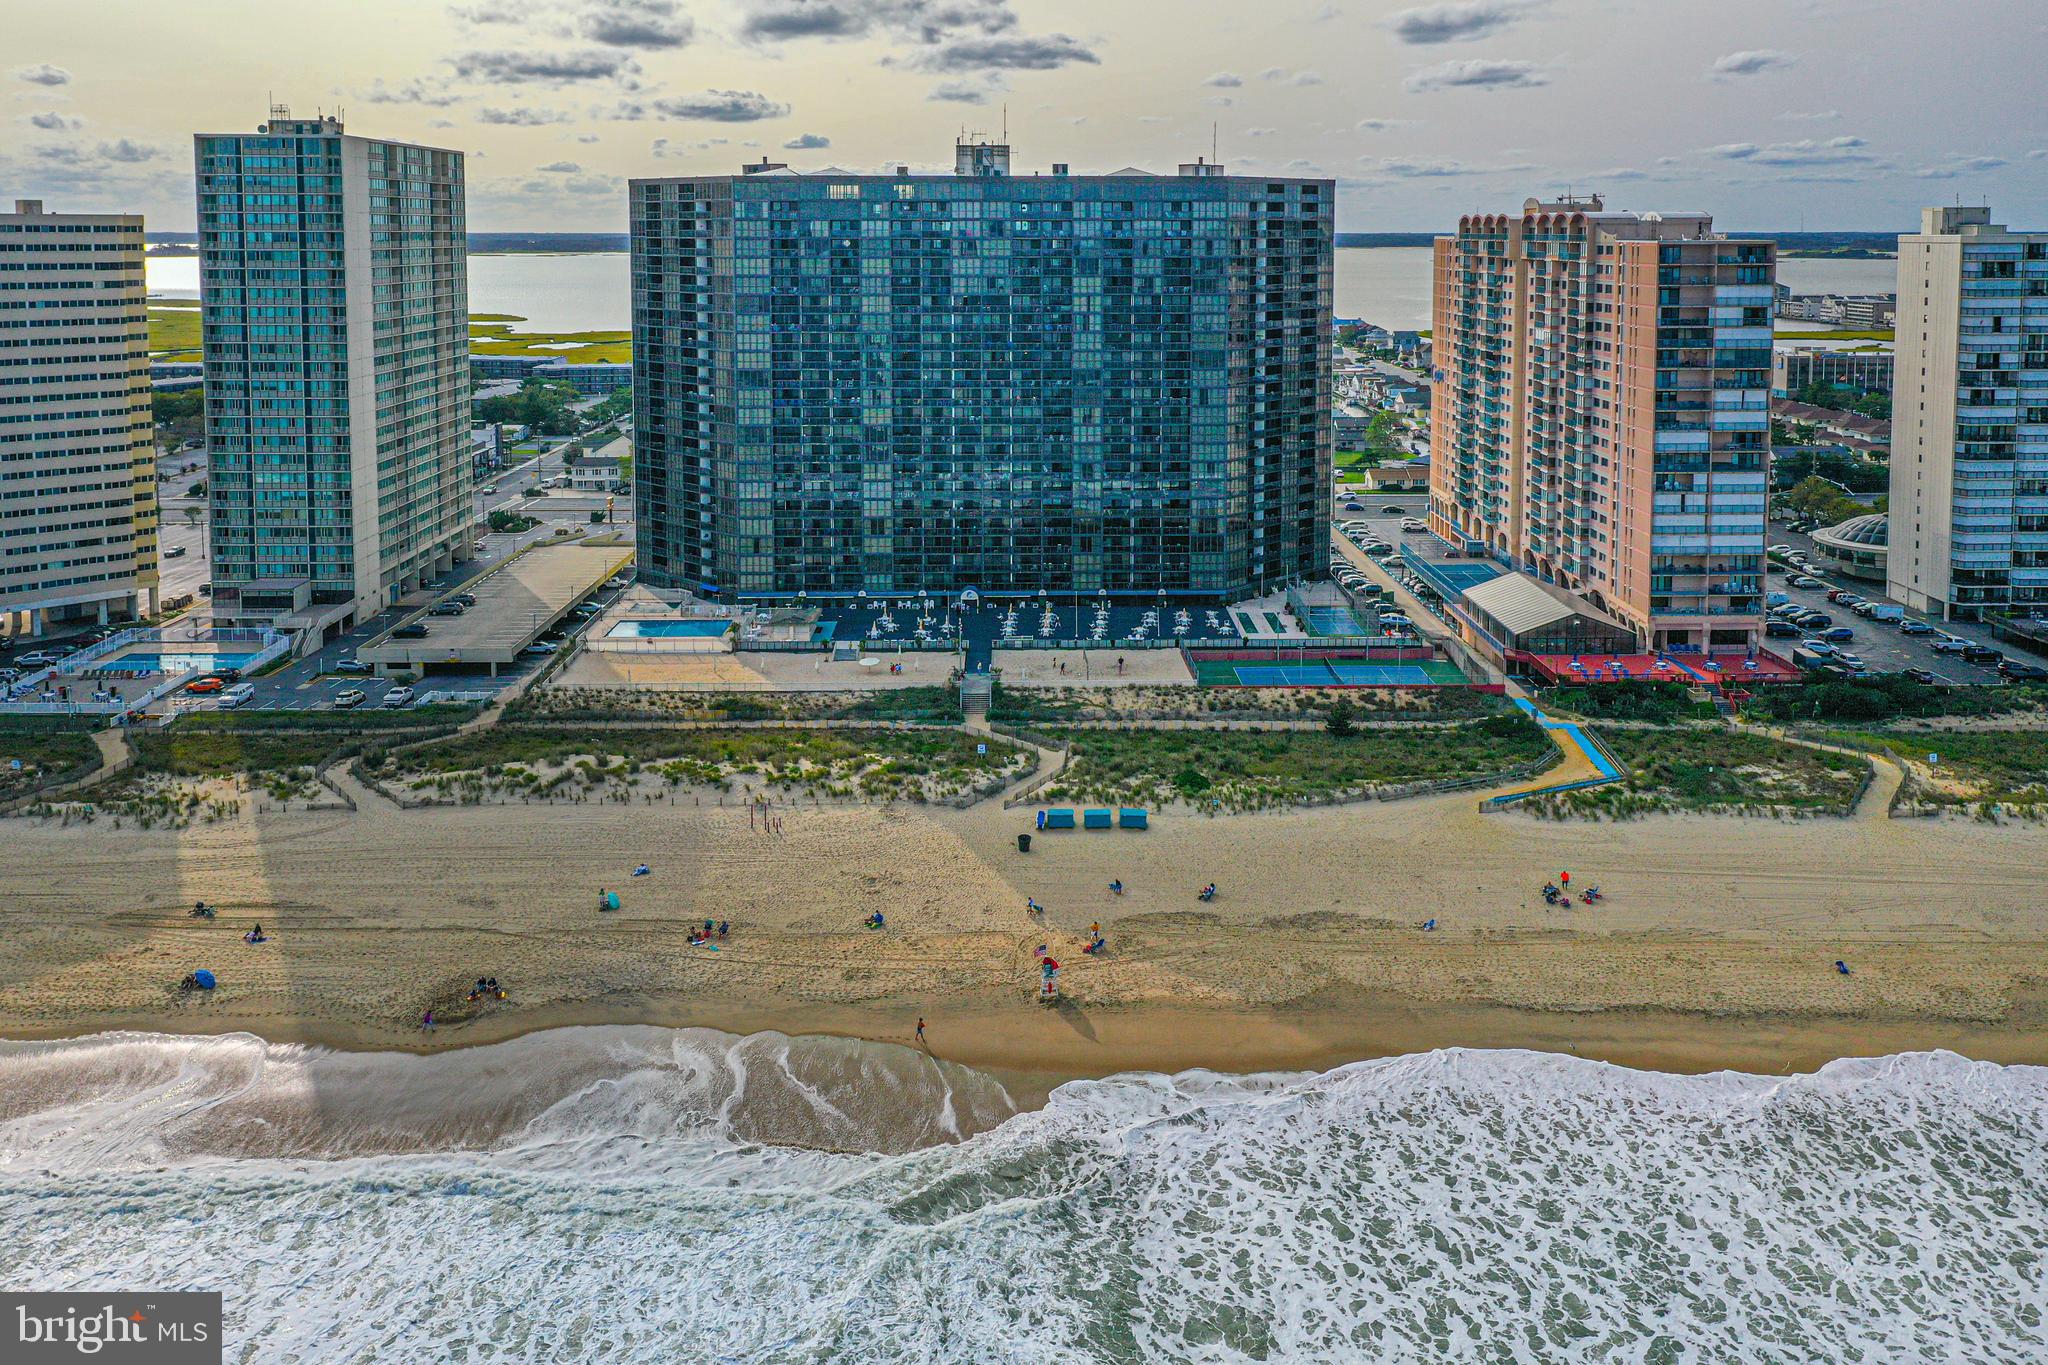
{"x": 1212, "y": 142}
{"x": 1006, "y": 123}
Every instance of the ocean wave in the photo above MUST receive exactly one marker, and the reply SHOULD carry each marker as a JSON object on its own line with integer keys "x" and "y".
{"x": 1456, "y": 1205}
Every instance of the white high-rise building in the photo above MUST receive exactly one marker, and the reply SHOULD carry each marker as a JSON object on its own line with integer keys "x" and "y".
{"x": 78, "y": 515}
{"x": 335, "y": 298}
{"x": 1969, "y": 496}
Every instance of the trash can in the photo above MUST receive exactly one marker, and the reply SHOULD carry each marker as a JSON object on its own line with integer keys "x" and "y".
{"x": 1023, "y": 843}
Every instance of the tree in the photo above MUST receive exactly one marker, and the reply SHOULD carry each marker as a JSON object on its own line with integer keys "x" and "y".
{"x": 179, "y": 416}
{"x": 1813, "y": 495}
{"x": 538, "y": 406}
{"x": 192, "y": 516}
{"x": 1338, "y": 723}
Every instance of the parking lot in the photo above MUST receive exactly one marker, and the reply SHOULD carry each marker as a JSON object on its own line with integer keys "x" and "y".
{"x": 1877, "y": 643}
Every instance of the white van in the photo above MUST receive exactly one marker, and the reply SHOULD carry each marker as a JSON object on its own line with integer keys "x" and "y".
{"x": 236, "y": 695}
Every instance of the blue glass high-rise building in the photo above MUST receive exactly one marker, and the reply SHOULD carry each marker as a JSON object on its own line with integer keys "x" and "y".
{"x": 900, "y": 382}
{"x": 334, "y": 284}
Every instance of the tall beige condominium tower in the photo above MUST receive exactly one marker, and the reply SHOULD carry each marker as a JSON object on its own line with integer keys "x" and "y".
{"x": 1968, "y": 526}
{"x": 78, "y": 513}
{"x": 1602, "y": 412}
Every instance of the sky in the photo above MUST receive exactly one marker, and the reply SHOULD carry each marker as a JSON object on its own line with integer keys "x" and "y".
{"x": 1770, "y": 114}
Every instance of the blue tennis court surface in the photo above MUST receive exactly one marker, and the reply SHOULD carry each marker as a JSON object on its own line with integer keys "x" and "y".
{"x": 1334, "y": 621}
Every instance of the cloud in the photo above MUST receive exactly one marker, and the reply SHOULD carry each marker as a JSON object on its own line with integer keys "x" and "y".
{"x": 1225, "y": 80}
{"x": 1048, "y": 53}
{"x": 1816, "y": 116}
{"x": 1460, "y": 22}
{"x": 1805, "y": 152}
{"x": 1260, "y": 132}
{"x": 1219, "y": 101}
{"x": 53, "y": 122}
{"x": 1476, "y": 73}
{"x": 1618, "y": 173}
{"x": 807, "y": 142}
{"x": 1959, "y": 165}
{"x": 1429, "y": 168}
{"x": 923, "y": 21}
{"x": 1306, "y": 77}
{"x": 958, "y": 92}
{"x": 560, "y": 168}
{"x": 635, "y": 23}
{"x": 121, "y": 149}
{"x": 1384, "y": 125}
{"x": 1752, "y": 63}
{"x": 42, "y": 74}
{"x": 505, "y": 66}
{"x": 721, "y": 106}
{"x": 408, "y": 92}
{"x": 525, "y": 116}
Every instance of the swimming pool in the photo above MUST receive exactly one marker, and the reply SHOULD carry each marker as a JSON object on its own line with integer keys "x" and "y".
{"x": 667, "y": 630}
{"x": 171, "y": 661}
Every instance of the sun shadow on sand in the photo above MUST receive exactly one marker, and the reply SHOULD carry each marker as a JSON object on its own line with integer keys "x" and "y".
{"x": 1076, "y": 1018}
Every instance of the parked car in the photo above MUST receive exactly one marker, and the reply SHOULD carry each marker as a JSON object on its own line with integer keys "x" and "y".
{"x": 1854, "y": 661}
{"x": 1412, "y": 527}
{"x": 1800, "y": 580}
{"x": 1817, "y": 620}
{"x": 1983, "y": 654}
{"x": 1395, "y": 620}
{"x": 37, "y": 658}
{"x": 2021, "y": 671}
{"x": 467, "y": 599}
{"x": 1379, "y": 550}
{"x": 1950, "y": 644}
{"x": 1775, "y": 599}
{"x": 396, "y": 697}
{"x": 1915, "y": 626}
{"x": 413, "y": 630}
{"x": 585, "y": 609}
{"x": 1781, "y": 549}
{"x": 488, "y": 488}
{"x": 1394, "y": 509}
{"x": 1820, "y": 647}
{"x": 1838, "y": 633}
{"x": 1844, "y": 596}
{"x": 541, "y": 647}
{"x": 200, "y": 687}
{"x": 236, "y": 695}
{"x": 349, "y": 697}
{"x": 1921, "y": 675}
{"x": 176, "y": 552}
{"x": 351, "y": 666}
{"x": 1782, "y": 630}
{"x": 447, "y": 609}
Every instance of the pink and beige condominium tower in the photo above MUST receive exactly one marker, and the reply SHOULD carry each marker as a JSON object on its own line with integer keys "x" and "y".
{"x": 1602, "y": 412}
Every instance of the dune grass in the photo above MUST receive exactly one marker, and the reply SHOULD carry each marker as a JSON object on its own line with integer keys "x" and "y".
{"x": 1254, "y": 769}
{"x": 1712, "y": 771}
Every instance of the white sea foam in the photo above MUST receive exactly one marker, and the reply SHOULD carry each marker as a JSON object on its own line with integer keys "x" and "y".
{"x": 614, "y": 1194}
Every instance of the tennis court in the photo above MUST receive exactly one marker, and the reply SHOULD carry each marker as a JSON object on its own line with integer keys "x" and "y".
{"x": 1333, "y": 673}
{"x": 1334, "y": 621}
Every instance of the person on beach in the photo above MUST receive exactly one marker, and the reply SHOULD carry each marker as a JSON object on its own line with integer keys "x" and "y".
{"x": 1116, "y": 888}
{"x": 427, "y": 1021}
{"x": 723, "y": 926}
{"x": 1095, "y": 929}
{"x": 920, "y": 1028}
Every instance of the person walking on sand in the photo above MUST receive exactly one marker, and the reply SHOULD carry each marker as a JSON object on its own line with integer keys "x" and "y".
{"x": 427, "y": 1021}
{"x": 920, "y": 1029}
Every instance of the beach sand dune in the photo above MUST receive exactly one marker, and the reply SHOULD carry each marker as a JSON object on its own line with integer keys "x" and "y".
{"x": 1714, "y": 929}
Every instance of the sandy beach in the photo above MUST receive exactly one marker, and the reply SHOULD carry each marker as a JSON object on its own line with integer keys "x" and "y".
{"x": 1714, "y": 948}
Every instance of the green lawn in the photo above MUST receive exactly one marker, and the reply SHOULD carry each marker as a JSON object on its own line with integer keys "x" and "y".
{"x": 174, "y": 330}
{"x": 1250, "y": 769}
{"x": 489, "y": 335}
